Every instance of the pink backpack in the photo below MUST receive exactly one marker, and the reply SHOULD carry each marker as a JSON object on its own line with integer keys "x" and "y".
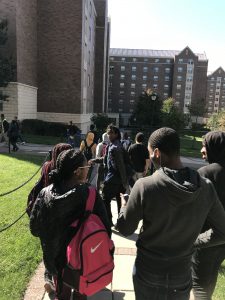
{"x": 89, "y": 254}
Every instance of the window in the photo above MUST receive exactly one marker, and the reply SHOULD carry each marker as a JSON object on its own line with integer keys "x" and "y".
{"x": 180, "y": 60}
{"x": 134, "y": 68}
{"x": 111, "y": 68}
{"x": 187, "y": 96}
{"x": 131, "y": 110}
{"x": 167, "y": 70}
{"x": 120, "y": 101}
{"x": 144, "y": 85}
{"x": 179, "y": 69}
{"x": 133, "y": 85}
{"x": 111, "y": 76}
{"x": 109, "y": 109}
{"x": 123, "y": 58}
{"x": 120, "y": 110}
{"x": 134, "y": 59}
{"x": 166, "y": 86}
{"x": 122, "y": 68}
{"x": 122, "y": 84}
{"x": 212, "y": 78}
{"x": 211, "y": 84}
{"x": 178, "y": 94}
{"x": 145, "y": 59}
{"x": 157, "y": 60}
{"x": 122, "y": 93}
{"x": 155, "y": 78}
{"x": 178, "y": 86}
{"x": 155, "y": 86}
{"x": 190, "y": 62}
{"x": 145, "y": 69}
{"x": 144, "y": 77}
{"x": 110, "y": 84}
{"x": 167, "y": 78}
{"x": 133, "y": 77}
{"x": 111, "y": 58}
{"x": 156, "y": 69}
{"x": 122, "y": 76}
{"x": 132, "y": 93}
{"x": 190, "y": 70}
{"x": 179, "y": 78}
{"x": 189, "y": 79}
{"x": 168, "y": 61}
{"x": 132, "y": 101}
{"x": 109, "y": 100}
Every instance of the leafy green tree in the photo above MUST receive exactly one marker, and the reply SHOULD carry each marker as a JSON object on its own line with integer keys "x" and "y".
{"x": 171, "y": 116}
{"x": 217, "y": 121}
{"x": 148, "y": 111}
{"x": 6, "y": 65}
{"x": 197, "y": 109}
{"x": 101, "y": 121}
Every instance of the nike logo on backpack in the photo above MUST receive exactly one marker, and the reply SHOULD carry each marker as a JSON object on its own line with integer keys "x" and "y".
{"x": 96, "y": 247}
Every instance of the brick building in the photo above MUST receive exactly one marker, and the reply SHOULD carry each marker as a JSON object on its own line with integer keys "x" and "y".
{"x": 178, "y": 74}
{"x": 60, "y": 52}
{"x": 215, "y": 94}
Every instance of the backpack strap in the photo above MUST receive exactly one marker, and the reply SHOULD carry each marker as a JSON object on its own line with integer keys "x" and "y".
{"x": 91, "y": 199}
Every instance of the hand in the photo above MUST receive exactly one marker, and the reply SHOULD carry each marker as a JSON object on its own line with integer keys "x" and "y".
{"x": 124, "y": 199}
{"x": 91, "y": 162}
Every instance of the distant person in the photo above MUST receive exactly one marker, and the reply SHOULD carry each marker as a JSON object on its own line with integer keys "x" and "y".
{"x": 88, "y": 147}
{"x": 206, "y": 262}
{"x": 101, "y": 152}
{"x": 139, "y": 157}
{"x": 20, "y": 137}
{"x": 4, "y": 129}
{"x": 13, "y": 134}
{"x": 173, "y": 204}
{"x": 126, "y": 142}
{"x": 43, "y": 182}
{"x": 96, "y": 135}
{"x": 56, "y": 208}
{"x": 71, "y": 131}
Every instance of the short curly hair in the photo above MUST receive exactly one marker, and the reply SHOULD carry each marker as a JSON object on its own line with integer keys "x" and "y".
{"x": 166, "y": 140}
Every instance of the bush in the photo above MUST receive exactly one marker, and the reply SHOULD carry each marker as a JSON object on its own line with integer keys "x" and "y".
{"x": 38, "y": 127}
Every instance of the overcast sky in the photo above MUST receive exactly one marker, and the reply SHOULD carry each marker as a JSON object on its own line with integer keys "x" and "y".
{"x": 170, "y": 25}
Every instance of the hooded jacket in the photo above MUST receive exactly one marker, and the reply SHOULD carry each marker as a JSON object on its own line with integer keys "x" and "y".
{"x": 53, "y": 213}
{"x": 173, "y": 205}
{"x": 215, "y": 171}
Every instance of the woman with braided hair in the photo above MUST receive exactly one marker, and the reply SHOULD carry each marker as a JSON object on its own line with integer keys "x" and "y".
{"x": 57, "y": 207}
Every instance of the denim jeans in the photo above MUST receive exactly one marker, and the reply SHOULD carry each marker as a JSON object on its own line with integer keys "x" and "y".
{"x": 166, "y": 286}
{"x": 205, "y": 268}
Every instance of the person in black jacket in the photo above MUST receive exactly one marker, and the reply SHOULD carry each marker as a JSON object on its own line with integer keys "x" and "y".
{"x": 206, "y": 262}
{"x": 173, "y": 203}
{"x": 57, "y": 207}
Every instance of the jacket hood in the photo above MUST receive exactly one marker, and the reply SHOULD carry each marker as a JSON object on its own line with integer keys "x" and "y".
{"x": 215, "y": 146}
{"x": 183, "y": 185}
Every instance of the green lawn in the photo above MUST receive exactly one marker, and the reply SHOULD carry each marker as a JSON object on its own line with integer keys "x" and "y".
{"x": 42, "y": 139}
{"x": 191, "y": 147}
{"x": 19, "y": 251}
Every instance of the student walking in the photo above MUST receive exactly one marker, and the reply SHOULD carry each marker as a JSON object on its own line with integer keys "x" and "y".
{"x": 173, "y": 203}
{"x": 57, "y": 207}
{"x": 206, "y": 262}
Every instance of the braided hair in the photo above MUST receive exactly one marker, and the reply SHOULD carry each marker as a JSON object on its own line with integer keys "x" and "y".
{"x": 166, "y": 140}
{"x": 67, "y": 162}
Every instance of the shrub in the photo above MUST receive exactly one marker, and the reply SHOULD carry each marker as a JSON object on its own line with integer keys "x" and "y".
{"x": 39, "y": 127}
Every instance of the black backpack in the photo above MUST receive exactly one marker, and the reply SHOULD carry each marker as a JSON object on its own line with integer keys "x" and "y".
{"x": 87, "y": 150}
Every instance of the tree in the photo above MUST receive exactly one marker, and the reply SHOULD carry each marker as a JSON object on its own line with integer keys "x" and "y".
{"x": 101, "y": 121}
{"x": 148, "y": 111}
{"x": 197, "y": 109}
{"x": 171, "y": 116}
{"x": 217, "y": 121}
{"x": 6, "y": 66}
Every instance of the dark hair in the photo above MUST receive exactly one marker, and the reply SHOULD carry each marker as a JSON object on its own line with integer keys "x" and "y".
{"x": 92, "y": 127}
{"x": 67, "y": 162}
{"x": 166, "y": 139}
{"x": 57, "y": 149}
{"x": 125, "y": 135}
{"x": 114, "y": 129}
{"x": 140, "y": 138}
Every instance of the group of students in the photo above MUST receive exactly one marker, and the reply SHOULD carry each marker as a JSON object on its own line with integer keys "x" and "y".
{"x": 181, "y": 243}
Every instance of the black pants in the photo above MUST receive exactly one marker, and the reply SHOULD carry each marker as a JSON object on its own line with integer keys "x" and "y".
{"x": 109, "y": 192}
{"x": 205, "y": 268}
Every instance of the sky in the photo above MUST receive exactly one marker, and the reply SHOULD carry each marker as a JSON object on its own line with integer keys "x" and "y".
{"x": 170, "y": 25}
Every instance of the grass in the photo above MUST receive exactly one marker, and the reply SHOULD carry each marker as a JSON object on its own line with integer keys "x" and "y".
{"x": 219, "y": 293}
{"x": 19, "y": 251}
{"x": 191, "y": 147}
{"x": 42, "y": 139}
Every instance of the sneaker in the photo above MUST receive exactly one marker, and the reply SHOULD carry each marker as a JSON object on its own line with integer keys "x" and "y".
{"x": 49, "y": 287}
